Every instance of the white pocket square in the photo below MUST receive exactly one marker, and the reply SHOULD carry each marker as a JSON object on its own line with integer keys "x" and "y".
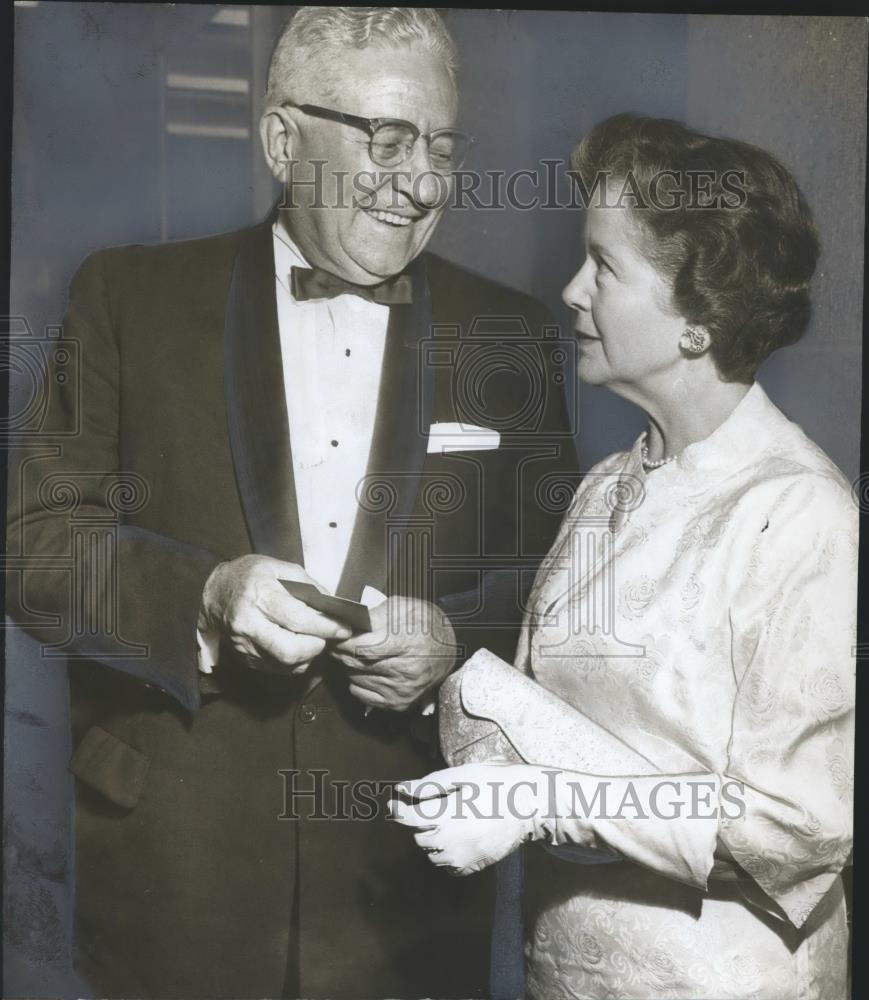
{"x": 461, "y": 437}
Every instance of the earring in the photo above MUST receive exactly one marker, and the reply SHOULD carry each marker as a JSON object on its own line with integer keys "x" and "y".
{"x": 694, "y": 341}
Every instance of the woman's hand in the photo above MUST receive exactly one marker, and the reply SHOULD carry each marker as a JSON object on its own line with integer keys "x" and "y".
{"x": 467, "y": 818}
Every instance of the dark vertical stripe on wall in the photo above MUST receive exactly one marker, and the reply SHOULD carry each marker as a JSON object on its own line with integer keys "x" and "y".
{"x": 859, "y": 887}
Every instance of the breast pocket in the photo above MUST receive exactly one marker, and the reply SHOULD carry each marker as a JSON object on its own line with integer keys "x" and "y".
{"x": 108, "y": 765}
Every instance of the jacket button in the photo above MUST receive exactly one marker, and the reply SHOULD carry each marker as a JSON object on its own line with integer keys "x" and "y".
{"x": 307, "y": 713}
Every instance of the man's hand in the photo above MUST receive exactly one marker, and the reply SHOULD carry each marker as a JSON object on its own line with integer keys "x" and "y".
{"x": 244, "y": 600}
{"x": 408, "y": 652}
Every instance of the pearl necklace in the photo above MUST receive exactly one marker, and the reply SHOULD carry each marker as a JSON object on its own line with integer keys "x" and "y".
{"x": 648, "y": 464}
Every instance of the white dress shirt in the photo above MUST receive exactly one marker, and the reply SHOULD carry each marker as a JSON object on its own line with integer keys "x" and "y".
{"x": 332, "y": 354}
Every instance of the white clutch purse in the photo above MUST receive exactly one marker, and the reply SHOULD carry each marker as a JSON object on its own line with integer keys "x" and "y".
{"x": 489, "y": 711}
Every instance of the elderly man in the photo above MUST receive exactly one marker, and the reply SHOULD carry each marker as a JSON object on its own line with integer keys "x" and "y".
{"x": 312, "y": 400}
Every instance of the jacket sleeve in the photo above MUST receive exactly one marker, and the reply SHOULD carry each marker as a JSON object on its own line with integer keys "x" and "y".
{"x": 792, "y": 735}
{"x": 784, "y": 799}
{"x": 92, "y": 585}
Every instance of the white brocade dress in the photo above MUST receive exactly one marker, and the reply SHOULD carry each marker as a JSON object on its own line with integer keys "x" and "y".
{"x": 705, "y": 614}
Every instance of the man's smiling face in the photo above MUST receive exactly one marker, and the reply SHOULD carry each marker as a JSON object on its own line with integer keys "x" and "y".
{"x": 363, "y": 237}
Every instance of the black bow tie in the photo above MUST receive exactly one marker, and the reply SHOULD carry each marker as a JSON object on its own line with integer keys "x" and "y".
{"x": 313, "y": 283}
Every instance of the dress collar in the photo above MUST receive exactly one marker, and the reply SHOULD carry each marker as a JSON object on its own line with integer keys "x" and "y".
{"x": 751, "y": 427}
{"x": 287, "y": 254}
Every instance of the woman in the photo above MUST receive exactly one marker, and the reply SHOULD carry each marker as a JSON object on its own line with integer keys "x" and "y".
{"x": 726, "y": 659}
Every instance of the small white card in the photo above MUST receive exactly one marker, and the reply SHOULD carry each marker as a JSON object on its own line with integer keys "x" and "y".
{"x": 446, "y": 437}
{"x": 371, "y": 597}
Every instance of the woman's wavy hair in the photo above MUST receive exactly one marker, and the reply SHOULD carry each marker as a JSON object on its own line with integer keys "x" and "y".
{"x": 722, "y": 220}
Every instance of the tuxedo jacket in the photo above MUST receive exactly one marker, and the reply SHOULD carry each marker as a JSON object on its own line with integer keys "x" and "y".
{"x": 226, "y": 841}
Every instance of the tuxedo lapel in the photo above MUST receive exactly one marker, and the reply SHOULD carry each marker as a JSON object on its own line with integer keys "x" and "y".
{"x": 256, "y": 405}
{"x": 400, "y": 440}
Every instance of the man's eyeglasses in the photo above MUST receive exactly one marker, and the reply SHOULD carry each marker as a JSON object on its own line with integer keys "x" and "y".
{"x": 392, "y": 140}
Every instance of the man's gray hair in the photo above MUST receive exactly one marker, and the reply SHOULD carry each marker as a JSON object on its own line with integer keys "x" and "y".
{"x": 314, "y": 37}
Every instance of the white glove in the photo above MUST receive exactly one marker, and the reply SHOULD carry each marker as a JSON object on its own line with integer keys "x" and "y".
{"x": 467, "y": 818}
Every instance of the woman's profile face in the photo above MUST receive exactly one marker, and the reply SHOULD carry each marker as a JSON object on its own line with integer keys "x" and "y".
{"x": 627, "y": 326}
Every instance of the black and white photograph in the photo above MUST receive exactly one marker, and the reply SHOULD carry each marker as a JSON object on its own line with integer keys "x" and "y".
{"x": 433, "y": 498}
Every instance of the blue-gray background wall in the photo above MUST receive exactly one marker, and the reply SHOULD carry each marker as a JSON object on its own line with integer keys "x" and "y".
{"x": 111, "y": 146}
